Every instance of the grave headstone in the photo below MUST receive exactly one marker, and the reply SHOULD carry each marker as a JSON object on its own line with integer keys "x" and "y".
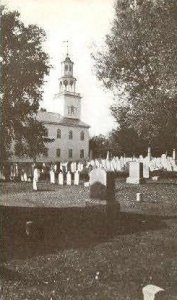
{"x": 149, "y": 153}
{"x": 25, "y": 177}
{"x": 60, "y": 178}
{"x": 146, "y": 171}
{"x": 102, "y": 190}
{"x": 135, "y": 173}
{"x": 68, "y": 178}
{"x": 35, "y": 178}
{"x": 102, "y": 185}
{"x": 52, "y": 176}
{"x": 76, "y": 178}
{"x": 174, "y": 154}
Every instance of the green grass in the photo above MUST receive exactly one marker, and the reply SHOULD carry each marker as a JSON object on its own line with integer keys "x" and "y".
{"x": 62, "y": 262}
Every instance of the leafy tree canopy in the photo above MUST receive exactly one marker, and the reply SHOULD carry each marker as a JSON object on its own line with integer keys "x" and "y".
{"x": 24, "y": 67}
{"x": 139, "y": 64}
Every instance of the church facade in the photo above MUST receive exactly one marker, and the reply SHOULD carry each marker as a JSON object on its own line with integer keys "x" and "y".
{"x": 70, "y": 135}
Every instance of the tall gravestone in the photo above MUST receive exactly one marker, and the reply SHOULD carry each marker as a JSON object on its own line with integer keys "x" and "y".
{"x": 174, "y": 156}
{"x": 102, "y": 189}
{"x": 60, "y": 178}
{"x": 146, "y": 171}
{"x": 135, "y": 173}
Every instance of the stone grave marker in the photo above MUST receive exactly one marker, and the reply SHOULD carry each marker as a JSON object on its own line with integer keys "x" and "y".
{"x": 76, "y": 178}
{"x": 174, "y": 156}
{"x": 68, "y": 178}
{"x": 25, "y": 177}
{"x": 102, "y": 185}
{"x": 102, "y": 191}
{"x": 146, "y": 173}
{"x": 60, "y": 178}
{"x": 52, "y": 176}
{"x": 135, "y": 173}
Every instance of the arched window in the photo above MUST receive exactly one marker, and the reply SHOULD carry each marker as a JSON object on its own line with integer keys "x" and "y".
{"x": 58, "y": 134}
{"x": 82, "y": 135}
{"x": 58, "y": 152}
{"x": 82, "y": 153}
{"x": 70, "y": 135}
{"x": 66, "y": 67}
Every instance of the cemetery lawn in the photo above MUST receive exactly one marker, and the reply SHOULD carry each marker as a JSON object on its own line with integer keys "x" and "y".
{"x": 74, "y": 256}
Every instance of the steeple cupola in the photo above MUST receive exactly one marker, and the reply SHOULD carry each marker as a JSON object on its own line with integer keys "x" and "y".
{"x": 67, "y": 82}
{"x": 67, "y": 90}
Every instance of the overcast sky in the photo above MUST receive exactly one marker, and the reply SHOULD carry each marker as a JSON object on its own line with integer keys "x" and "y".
{"x": 84, "y": 23}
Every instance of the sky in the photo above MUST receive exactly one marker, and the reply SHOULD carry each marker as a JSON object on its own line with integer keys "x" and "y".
{"x": 84, "y": 23}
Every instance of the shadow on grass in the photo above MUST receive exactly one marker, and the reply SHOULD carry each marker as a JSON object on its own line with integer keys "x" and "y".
{"x": 55, "y": 229}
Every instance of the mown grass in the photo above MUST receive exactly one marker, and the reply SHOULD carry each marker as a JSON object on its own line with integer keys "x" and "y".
{"x": 72, "y": 254}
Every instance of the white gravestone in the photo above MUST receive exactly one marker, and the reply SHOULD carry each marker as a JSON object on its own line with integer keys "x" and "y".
{"x": 174, "y": 154}
{"x": 60, "y": 178}
{"x": 68, "y": 178}
{"x": 35, "y": 179}
{"x": 149, "y": 154}
{"x": 52, "y": 176}
{"x": 135, "y": 173}
{"x": 76, "y": 178}
{"x": 146, "y": 171}
{"x": 25, "y": 177}
{"x": 98, "y": 184}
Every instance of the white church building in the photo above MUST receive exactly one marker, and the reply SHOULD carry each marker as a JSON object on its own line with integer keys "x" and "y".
{"x": 70, "y": 135}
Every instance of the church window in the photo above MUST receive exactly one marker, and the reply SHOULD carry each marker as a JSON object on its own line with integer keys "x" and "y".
{"x": 70, "y": 135}
{"x": 82, "y": 136}
{"x": 70, "y": 68}
{"x": 58, "y": 152}
{"x": 66, "y": 67}
{"x": 82, "y": 153}
{"x": 70, "y": 153}
{"x": 72, "y": 110}
{"x": 58, "y": 134}
{"x": 65, "y": 82}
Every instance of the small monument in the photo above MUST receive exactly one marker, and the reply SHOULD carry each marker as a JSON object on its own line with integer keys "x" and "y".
{"x": 102, "y": 191}
{"x": 174, "y": 156}
{"x": 146, "y": 173}
{"x": 98, "y": 184}
{"x": 60, "y": 178}
{"x": 52, "y": 176}
{"x": 135, "y": 173}
{"x": 35, "y": 178}
{"x": 76, "y": 178}
{"x": 68, "y": 178}
{"x": 149, "y": 154}
{"x": 102, "y": 185}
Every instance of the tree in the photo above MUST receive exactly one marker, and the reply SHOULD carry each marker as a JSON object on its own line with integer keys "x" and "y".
{"x": 139, "y": 64}
{"x": 24, "y": 67}
{"x": 99, "y": 145}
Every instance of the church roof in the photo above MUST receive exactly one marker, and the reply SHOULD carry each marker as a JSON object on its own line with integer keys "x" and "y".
{"x": 56, "y": 118}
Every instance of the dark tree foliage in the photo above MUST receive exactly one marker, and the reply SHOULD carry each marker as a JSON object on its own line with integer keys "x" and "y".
{"x": 139, "y": 64}
{"x": 99, "y": 145}
{"x": 24, "y": 66}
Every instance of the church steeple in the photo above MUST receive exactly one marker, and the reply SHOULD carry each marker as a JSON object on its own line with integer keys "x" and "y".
{"x": 67, "y": 82}
{"x": 67, "y": 90}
